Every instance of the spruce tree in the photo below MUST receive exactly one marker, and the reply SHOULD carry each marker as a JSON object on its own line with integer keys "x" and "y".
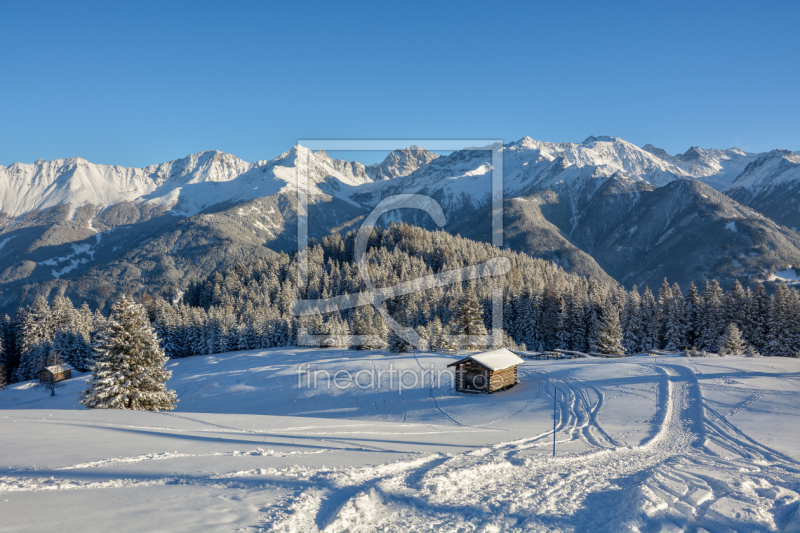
{"x": 74, "y": 349}
{"x": 129, "y": 372}
{"x": 691, "y": 310}
{"x": 751, "y": 351}
{"x": 758, "y": 317}
{"x": 675, "y": 321}
{"x": 469, "y": 318}
{"x": 398, "y": 344}
{"x": 608, "y": 335}
{"x": 362, "y": 329}
{"x": 632, "y": 322}
{"x": 650, "y": 322}
{"x": 36, "y": 334}
{"x": 731, "y": 341}
{"x": 713, "y": 316}
{"x": 780, "y": 337}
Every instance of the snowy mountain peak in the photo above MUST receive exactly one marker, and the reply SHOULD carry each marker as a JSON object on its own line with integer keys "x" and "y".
{"x": 768, "y": 170}
{"x": 600, "y": 138}
{"x": 658, "y": 152}
{"x": 401, "y": 162}
{"x": 692, "y": 154}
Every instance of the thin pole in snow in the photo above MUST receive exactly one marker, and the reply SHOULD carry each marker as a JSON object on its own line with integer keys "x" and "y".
{"x": 555, "y": 395}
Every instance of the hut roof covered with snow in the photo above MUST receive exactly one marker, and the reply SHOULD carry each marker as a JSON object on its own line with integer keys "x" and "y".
{"x": 487, "y": 372}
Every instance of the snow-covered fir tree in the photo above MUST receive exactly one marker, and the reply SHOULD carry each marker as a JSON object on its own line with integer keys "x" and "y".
{"x": 781, "y": 339}
{"x": 397, "y": 343}
{"x": 35, "y": 335}
{"x": 713, "y": 316}
{"x": 731, "y": 343}
{"x": 469, "y": 318}
{"x": 128, "y": 371}
{"x": 74, "y": 349}
{"x": 751, "y": 351}
{"x": 631, "y": 322}
{"x": 650, "y": 323}
{"x": 608, "y": 336}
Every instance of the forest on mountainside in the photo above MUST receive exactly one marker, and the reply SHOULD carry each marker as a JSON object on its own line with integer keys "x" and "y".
{"x": 252, "y": 306}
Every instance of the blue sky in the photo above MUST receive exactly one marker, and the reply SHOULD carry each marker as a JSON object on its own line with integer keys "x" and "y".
{"x": 136, "y": 83}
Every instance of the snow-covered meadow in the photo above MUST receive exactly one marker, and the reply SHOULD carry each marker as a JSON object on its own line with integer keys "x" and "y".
{"x": 643, "y": 444}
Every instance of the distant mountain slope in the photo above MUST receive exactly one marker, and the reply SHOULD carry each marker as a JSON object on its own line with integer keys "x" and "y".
{"x": 771, "y": 185}
{"x": 717, "y": 168}
{"x": 603, "y": 208}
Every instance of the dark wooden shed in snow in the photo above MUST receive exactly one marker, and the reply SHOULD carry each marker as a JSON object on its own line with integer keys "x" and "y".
{"x": 487, "y": 372}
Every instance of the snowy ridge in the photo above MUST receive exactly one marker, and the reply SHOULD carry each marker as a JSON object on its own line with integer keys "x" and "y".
{"x": 186, "y": 185}
{"x": 769, "y": 170}
{"x": 189, "y": 185}
{"x": 717, "y": 168}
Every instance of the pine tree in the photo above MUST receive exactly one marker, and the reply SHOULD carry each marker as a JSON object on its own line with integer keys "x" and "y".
{"x": 675, "y": 321}
{"x": 608, "y": 335}
{"x": 780, "y": 337}
{"x": 691, "y": 310}
{"x": 129, "y": 364}
{"x": 651, "y": 325}
{"x": 74, "y": 349}
{"x": 469, "y": 318}
{"x": 757, "y": 317}
{"x": 736, "y": 304}
{"x": 436, "y": 339}
{"x": 632, "y": 322}
{"x": 362, "y": 328}
{"x": 713, "y": 314}
{"x": 751, "y": 351}
{"x": 62, "y": 313}
{"x": 398, "y": 344}
{"x": 36, "y": 334}
{"x": 731, "y": 341}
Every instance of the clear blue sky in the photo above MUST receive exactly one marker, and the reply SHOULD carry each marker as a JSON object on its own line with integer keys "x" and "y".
{"x": 136, "y": 83}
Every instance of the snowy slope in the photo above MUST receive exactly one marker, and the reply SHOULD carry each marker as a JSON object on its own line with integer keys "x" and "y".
{"x": 769, "y": 170}
{"x": 643, "y": 444}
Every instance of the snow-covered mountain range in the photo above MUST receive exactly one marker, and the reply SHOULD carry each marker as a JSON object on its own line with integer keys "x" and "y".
{"x": 603, "y": 207}
{"x": 189, "y": 185}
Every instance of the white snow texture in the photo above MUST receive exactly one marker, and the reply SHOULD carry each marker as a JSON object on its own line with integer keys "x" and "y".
{"x": 643, "y": 444}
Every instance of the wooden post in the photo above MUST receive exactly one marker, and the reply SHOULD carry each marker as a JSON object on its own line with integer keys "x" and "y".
{"x": 555, "y": 395}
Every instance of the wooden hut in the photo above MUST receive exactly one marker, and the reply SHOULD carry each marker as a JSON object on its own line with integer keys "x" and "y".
{"x": 55, "y": 373}
{"x": 487, "y": 372}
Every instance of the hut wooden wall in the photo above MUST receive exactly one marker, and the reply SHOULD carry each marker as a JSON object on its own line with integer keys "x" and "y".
{"x": 503, "y": 378}
{"x": 471, "y": 376}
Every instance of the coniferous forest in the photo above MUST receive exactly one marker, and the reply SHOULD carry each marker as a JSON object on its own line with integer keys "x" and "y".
{"x": 544, "y": 308}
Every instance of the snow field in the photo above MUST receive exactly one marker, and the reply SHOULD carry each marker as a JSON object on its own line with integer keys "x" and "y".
{"x": 643, "y": 444}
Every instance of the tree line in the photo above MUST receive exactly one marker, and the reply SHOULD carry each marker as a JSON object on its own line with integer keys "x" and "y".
{"x": 252, "y": 306}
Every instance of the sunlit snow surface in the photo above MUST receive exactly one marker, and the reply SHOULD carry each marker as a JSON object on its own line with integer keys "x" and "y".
{"x": 643, "y": 444}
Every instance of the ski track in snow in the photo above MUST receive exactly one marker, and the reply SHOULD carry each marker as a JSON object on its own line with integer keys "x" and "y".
{"x": 694, "y": 472}
{"x": 515, "y": 491}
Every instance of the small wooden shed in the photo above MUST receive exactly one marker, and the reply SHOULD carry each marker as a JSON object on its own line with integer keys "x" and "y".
{"x": 55, "y": 373}
{"x": 487, "y": 372}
